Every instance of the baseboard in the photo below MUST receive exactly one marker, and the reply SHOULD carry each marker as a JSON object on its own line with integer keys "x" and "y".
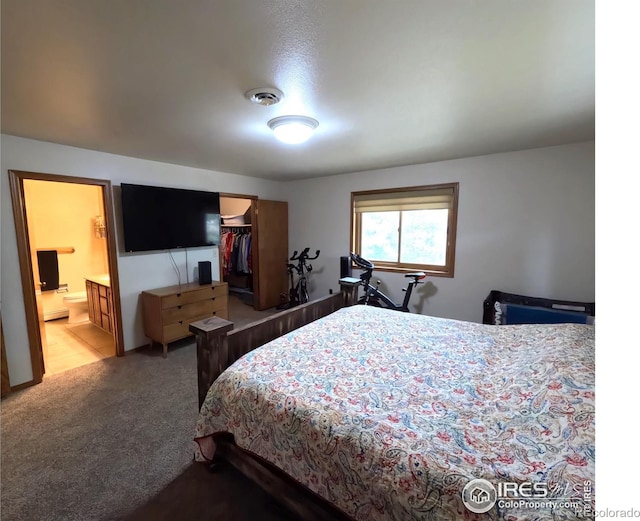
{"x": 54, "y": 315}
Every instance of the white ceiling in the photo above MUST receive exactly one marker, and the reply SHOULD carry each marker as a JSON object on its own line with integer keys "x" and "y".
{"x": 392, "y": 82}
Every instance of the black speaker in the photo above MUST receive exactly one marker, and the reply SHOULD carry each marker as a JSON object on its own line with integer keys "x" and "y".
{"x": 204, "y": 272}
{"x": 345, "y": 267}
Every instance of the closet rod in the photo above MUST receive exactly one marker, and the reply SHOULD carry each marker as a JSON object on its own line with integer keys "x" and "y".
{"x": 238, "y": 228}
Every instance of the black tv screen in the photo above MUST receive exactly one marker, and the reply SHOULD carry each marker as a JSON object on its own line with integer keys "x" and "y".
{"x": 158, "y": 218}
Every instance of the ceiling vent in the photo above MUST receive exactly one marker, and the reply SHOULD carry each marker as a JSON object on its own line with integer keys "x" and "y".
{"x": 265, "y": 96}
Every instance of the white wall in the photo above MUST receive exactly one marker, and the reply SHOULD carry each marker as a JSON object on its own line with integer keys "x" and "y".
{"x": 526, "y": 225}
{"x": 137, "y": 271}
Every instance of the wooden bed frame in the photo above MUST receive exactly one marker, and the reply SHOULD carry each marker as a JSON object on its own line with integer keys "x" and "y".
{"x": 219, "y": 346}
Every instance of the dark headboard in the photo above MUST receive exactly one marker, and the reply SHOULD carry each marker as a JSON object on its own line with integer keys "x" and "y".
{"x": 542, "y": 310}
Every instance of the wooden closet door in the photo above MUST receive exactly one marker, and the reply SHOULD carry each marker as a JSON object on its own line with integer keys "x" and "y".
{"x": 270, "y": 251}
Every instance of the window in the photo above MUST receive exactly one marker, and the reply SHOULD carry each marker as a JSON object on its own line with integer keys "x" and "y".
{"x": 407, "y": 229}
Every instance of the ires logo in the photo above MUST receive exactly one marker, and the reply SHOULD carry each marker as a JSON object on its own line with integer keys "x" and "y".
{"x": 522, "y": 490}
{"x": 480, "y": 495}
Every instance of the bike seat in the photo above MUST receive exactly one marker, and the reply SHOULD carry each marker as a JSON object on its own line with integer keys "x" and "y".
{"x": 417, "y": 275}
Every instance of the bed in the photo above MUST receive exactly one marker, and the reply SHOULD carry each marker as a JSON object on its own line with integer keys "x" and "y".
{"x": 375, "y": 414}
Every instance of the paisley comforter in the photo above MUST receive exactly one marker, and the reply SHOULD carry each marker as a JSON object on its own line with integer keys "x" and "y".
{"x": 389, "y": 415}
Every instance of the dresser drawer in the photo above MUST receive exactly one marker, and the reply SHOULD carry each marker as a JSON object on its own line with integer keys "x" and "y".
{"x": 177, "y": 330}
{"x": 194, "y": 309}
{"x": 186, "y": 297}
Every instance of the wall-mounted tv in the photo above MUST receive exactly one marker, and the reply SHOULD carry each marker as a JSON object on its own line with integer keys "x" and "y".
{"x": 159, "y": 218}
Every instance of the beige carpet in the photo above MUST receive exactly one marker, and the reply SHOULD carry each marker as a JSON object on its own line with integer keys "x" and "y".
{"x": 241, "y": 313}
{"x": 113, "y": 440}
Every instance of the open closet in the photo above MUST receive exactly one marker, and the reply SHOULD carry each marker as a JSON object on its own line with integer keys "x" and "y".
{"x": 254, "y": 249}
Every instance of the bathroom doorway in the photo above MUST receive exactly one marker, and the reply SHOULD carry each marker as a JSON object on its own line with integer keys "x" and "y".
{"x": 64, "y": 228}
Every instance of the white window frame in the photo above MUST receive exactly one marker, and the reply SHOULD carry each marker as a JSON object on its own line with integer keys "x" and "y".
{"x": 408, "y": 198}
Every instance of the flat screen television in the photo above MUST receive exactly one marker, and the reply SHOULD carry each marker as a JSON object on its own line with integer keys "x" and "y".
{"x": 159, "y": 218}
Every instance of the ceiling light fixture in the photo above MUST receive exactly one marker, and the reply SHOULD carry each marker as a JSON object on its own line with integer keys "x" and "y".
{"x": 293, "y": 129}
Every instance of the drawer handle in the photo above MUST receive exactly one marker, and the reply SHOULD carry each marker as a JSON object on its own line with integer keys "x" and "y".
{"x": 178, "y": 294}
{"x": 179, "y": 307}
{"x": 213, "y": 313}
{"x": 213, "y": 298}
{"x": 180, "y": 322}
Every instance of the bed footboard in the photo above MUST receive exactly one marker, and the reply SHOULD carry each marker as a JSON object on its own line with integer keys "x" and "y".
{"x": 296, "y": 498}
{"x": 219, "y": 345}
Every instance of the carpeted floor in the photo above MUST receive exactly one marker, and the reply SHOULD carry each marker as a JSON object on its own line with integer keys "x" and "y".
{"x": 113, "y": 440}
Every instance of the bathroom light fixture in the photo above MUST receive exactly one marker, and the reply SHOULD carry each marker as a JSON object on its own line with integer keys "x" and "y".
{"x": 293, "y": 129}
{"x": 99, "y": 227}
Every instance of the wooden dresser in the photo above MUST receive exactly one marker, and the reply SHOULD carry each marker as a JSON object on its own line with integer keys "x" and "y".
{"x": 169, "y": 311}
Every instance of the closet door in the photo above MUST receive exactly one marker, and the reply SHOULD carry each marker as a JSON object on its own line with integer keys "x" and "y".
{"x": 270, "y": 252}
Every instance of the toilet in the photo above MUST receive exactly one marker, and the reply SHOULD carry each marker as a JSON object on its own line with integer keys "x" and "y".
{"x": 77, "y": 305}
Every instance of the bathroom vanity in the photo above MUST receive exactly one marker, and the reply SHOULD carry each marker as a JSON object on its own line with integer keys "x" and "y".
{"x": 100, "y": 302}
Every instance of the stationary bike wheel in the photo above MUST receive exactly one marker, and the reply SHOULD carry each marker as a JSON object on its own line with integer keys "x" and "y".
{"x": 304, "y": 294}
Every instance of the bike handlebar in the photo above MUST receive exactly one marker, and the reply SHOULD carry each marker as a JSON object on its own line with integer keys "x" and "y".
{"x": 363, "y": 263}
{"x": 304, "y": 255}
{"x": 302, "y": 261}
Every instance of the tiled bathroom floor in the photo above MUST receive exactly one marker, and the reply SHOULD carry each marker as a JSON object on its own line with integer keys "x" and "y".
{"x": 73, "y": 345}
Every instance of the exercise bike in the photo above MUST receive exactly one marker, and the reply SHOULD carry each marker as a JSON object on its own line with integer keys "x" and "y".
{"x": 298, "y": 293}
{"x": 372, "y": 294}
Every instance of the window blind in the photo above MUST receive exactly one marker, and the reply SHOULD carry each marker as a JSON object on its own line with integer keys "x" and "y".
{"x": 436, "y": 199}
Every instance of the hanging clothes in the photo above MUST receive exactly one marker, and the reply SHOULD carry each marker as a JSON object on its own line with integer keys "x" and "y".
{"x": 236, "y": 251}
